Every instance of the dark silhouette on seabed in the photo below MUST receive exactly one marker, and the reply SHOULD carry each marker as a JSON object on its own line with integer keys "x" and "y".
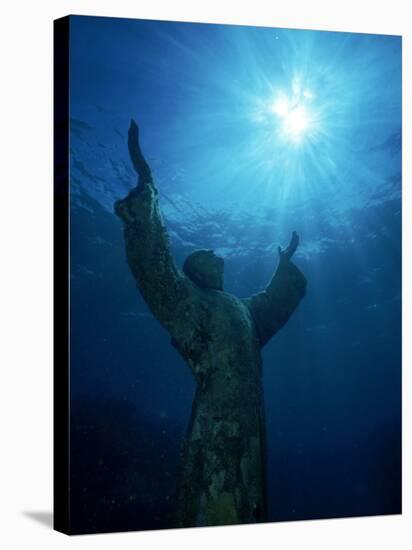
{"x": 220, "y": 337}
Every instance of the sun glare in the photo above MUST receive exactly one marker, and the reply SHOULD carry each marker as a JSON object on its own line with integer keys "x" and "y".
{"x": 296, "y": 122}
{"x": 294, "y": 118}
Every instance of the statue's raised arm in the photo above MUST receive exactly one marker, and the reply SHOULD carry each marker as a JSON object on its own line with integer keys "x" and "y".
{"x": 164, "y": 287}
{"x": 272, "y": 308}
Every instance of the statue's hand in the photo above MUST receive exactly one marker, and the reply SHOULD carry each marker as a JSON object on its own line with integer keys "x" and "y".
{"x": 288, "y": 252}
{"x": 133, "y": 137}
{"x": 137, "y": 158}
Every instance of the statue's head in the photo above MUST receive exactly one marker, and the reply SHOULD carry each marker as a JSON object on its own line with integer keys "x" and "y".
{"x": 205, "y": 269}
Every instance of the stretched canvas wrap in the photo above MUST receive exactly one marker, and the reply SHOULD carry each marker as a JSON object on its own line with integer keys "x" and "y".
{"x": 227, "y": 274}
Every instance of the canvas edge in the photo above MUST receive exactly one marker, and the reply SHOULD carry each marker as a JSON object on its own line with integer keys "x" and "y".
{"x": 61, "y": 386}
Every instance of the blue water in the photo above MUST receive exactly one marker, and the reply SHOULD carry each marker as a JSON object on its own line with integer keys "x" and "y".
{"x": 237, "y": 174}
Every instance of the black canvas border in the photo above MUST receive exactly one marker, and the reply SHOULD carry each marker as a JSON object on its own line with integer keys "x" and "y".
{"x": 61, "y": 386}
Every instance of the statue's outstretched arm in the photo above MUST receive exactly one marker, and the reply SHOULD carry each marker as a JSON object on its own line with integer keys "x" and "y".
{"x": 273, "y": 307}
{"x": 164, "y": 287}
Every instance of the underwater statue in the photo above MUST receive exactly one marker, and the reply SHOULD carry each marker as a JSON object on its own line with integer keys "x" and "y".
{"x": 220, "y": 337}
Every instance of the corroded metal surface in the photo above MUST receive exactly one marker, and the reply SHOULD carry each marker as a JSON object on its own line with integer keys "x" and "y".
{"x": 220, "y": 337}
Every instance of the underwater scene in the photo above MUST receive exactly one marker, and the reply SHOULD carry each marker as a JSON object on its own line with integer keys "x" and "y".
{"x": 239, "y": 385}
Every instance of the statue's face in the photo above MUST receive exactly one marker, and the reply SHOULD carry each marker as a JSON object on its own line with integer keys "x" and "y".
{"x": 205, "y": 269}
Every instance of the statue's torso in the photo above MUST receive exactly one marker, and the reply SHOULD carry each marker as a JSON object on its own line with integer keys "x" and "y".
{"x": 223, "y": 478}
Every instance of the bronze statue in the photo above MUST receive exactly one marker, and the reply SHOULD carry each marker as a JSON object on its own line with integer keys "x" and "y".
{"x": 220, "y": 337}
